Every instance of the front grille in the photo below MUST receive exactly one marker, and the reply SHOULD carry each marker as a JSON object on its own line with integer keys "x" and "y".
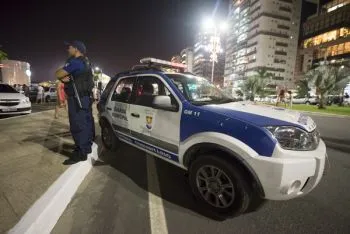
{"x": 9, "y": 103}
{"x": 9, "y": 100}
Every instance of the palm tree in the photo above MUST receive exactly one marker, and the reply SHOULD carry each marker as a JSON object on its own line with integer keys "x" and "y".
{"x": 256, "y": 84}
{"x": 303, "y": 87}
{"x": 326, "y": 78}
{"x": 3, "y": 55}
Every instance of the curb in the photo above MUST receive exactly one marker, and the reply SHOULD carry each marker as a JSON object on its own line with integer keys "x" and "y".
{"x": 325, "y": 114}
{"x": 46, "y": 211}
{"x": 338, "y": 146}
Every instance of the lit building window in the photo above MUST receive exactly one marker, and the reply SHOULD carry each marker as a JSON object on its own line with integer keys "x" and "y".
{"x": 326, "y": 37}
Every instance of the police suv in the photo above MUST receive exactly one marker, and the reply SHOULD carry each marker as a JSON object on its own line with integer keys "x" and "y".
{"x": 237, "y": 154}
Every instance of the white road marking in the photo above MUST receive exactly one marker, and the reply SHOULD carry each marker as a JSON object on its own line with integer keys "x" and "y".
{"x": 156, "y": 209}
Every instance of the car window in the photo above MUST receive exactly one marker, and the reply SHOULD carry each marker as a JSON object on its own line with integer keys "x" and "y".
{"x": 123, "y": 90}
{"x": 53, "y": 90}
{"x": 149, "y": 87}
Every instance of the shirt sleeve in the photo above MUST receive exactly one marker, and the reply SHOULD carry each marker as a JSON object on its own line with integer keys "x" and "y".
{"x": 73, "y": 65}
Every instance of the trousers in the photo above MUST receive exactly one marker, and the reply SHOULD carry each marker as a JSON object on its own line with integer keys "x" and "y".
{"x": 82, "y": 126}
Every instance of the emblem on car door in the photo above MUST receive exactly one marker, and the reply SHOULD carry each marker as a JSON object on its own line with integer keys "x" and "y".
{"x": 149, "y": 120}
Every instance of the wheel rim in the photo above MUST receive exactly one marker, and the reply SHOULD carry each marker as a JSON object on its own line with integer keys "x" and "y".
{"x": 106, "y": 136}
{"x": 215, "y": 187}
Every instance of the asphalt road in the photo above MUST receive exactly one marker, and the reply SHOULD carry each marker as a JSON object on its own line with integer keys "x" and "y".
{"x": 130, "y": 192}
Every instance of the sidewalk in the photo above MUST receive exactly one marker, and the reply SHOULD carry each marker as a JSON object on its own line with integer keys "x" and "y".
{"x": 33, "y": 148}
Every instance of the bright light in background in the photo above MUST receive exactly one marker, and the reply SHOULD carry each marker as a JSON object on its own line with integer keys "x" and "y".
{"x": 342, "y": 66}
{"x": 208, "y": 23}
{"x": 97, "y": 68}
{"x": 28, "y": 72}
{"x": 223, "y": 26}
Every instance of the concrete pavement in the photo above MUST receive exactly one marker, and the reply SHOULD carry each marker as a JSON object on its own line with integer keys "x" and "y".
{"x": 116, "y": 197}
{"x": 33, "y": 148}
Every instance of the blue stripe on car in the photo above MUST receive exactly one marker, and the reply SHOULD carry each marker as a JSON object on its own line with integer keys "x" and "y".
{"x": 161, "y": 152}
{"x": 209, "y": 120}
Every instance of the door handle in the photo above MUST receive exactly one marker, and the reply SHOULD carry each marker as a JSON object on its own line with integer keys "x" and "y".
{"x": 108, "y": 108}
{"x": 135, "y": 115}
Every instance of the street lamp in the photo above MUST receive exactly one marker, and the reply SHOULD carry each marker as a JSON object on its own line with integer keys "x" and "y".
{"x": 214, "y": 46}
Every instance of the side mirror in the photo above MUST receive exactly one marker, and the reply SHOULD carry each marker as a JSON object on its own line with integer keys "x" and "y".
{"x": 163, "y": 103}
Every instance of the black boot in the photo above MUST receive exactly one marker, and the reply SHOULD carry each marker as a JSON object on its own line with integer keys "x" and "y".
{"x": 74, "y": 159}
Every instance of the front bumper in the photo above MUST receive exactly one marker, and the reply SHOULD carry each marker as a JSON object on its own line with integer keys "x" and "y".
{"x": 23, "y": 108}
{"x": 289, "y": 174}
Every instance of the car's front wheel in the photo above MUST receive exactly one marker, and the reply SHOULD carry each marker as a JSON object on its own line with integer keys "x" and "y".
{"x": 221, "y": 186}
{"x": 109, "y": 139}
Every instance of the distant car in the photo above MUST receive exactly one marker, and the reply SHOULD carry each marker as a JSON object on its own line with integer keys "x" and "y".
{"x": 272, "y": 99}
{"x": 33, "y": 93}
{"x": 312, "y": 100}
{"x": 13, "y": 102}
{"x": 346, "y": 101}
{"x": 50, "y": 94}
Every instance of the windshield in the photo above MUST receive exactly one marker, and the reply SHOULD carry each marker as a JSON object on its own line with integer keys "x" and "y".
{"x": 198, "y": 90}
{"x": 7, "y": 89}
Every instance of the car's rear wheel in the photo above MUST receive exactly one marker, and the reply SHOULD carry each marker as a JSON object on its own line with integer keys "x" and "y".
{"x": 48, "y": 99}
{"x": 221, "y": 186}
{"x": 109, "y": 139}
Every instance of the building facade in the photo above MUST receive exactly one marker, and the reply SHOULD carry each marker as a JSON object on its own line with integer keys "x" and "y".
{"x": 325, "y": 36}
{"x": 187, "y": 57}
{"x": 15, "y": 72}
{"x": 262, "y": 34}
{"x": 202, "y": 62}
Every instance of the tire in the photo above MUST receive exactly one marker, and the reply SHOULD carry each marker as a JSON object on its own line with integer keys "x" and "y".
{"x": 109, "y": 139}
{"x": 48, "y": 99}
{"x": 240, "y": 199}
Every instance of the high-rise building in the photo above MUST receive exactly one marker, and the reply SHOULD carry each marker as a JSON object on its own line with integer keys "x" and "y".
{"x": 325, "y": 35}
{"x": 262, "y": 34}
{"x": 202, "y": 65}
{"x": 187, "y": 58}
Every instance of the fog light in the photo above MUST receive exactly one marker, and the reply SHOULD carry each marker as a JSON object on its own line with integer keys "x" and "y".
{"x": 295, "y": 186}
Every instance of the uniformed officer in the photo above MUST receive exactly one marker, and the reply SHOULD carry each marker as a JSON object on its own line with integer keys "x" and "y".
{"x": 78, "y": 71}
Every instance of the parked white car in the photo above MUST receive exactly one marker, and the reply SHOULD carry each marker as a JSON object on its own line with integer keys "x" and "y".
{"x": 50, "y": 94}
{"x": 13, "y": 102}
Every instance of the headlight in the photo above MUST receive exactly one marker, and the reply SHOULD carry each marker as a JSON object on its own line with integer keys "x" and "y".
{"x": 292, "y": 138}
{"x": 26, "y": 100}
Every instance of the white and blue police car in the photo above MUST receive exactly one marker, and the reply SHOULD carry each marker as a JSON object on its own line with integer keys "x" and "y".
{"x": 237, "y": 154}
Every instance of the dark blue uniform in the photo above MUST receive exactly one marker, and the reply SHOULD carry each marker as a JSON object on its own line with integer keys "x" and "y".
{"x": 81, "y": 120}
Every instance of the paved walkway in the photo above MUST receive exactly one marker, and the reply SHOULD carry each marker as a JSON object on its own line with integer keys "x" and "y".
{"x": 33, "y": 148}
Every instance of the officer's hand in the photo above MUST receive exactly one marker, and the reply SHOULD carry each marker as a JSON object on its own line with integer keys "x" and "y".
{"x": 65, "y": 79}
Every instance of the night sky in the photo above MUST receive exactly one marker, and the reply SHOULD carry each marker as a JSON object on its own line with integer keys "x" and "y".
{"x": 117, "y": 33}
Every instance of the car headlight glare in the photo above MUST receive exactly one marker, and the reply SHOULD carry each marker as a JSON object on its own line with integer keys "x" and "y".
{"x": 293, "y": 138}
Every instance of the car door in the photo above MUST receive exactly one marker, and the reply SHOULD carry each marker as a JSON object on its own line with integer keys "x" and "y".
{"x": 118, "y": 105}
{"x": 53, "y": 93}
{"x": 157, "y": 131}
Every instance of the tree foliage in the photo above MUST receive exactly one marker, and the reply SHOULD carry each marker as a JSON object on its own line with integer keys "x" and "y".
{"x": 3, "y": 55}
{"x": 303, "y": 87}
{"x": 255, "y": 85}
{"x": 327, "y": 78}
